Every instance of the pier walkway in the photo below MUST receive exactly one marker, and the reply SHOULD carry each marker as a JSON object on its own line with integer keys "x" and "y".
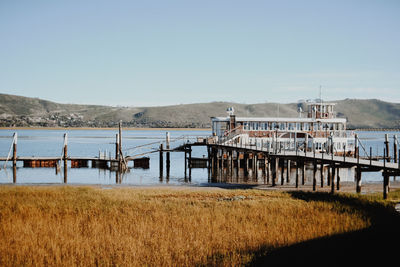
{"x": 229, "y": 156}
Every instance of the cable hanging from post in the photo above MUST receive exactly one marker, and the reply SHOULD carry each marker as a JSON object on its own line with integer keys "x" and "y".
{"x": 362, "y": 146}
{"x": 14, "y": 141}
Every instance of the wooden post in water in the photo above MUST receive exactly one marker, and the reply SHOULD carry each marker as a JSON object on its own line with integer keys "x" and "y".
{"x": 274, "y": 170}
{"x": 337, "y": 178}
{"x": 65, "y": 157}
{"x": 356, "y": 149}
{"x": 15, "y": 139}
{"x": 214, "y": 160}
{"x": 322, "y": 171}
{"x": 358, "y": 179}
{"x": 333, "y": 168}
{"x": 264, "y": 170}
{"x": 224, "y": 159}
{"x": 117, "y": 146}
{"x": 388, "y": 177}
{"x": 297, "y": 173}
{"x": 395, "y": 155}
{"x": 228, "y": 172}
{"x": 120, "y": 135}
{"x": 167, "y": 140}
{"x": 255, "y": 159}
{"x": 387, "y": 148}
{"x": 185, "y": 160}
{"x": 190, "y": 162}
{"x": 253, "y": 162}
{"x": 14, "y": 174}
{"x": 314, "y": 182}
{"x": 385, "y": 184}
{"x": 303, "y": 172}
{"x": 282, "y": 163}
{"x": 268, "y": 167}
{"x": 120, "y": 156}
{"x": 246, "y": 162}
{"x": 385, "y": 176}
{"x": 288, "y": 171}
{"x": 328, "y": 179}
{"x": 395, "y": 148}
{"x": 208, "y": 161}
{"x": 161, "y": 162}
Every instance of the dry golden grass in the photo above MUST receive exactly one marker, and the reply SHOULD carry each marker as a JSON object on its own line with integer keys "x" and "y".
{"x": 67, "y": 226}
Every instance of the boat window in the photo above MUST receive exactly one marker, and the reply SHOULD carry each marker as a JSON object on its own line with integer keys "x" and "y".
{"x": 266, "y": 126}
{"x": 255, "y": 126}
{"x": 282, "y": 126}
{"x": 273, "y": 125}
{"x": 246, "y": 126}
{"x": 262, "y": 126}
{"x": 290, "y": 126}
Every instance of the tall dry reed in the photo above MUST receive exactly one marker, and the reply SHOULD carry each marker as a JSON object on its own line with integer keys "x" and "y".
{"x": 68, "y": 226}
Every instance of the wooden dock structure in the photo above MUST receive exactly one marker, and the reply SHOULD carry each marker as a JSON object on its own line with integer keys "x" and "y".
{"x": 119, "y": 163}
{"x": 227, "y": 155}
{"x": 325, "y": 166}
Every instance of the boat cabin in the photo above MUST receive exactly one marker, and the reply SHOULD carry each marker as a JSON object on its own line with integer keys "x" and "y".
{"x": 320, "y": 130}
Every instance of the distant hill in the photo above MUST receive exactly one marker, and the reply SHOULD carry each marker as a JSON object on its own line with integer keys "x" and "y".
{"x": 25, "y": 111}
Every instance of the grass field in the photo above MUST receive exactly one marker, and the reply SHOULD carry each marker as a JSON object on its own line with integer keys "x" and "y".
{"x": 67, "y": 226}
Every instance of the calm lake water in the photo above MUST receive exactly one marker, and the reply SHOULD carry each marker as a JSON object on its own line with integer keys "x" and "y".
{"x": 88, "y": 143}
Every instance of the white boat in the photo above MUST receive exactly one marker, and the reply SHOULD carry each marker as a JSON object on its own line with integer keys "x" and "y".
{"x": 319, "y": 131}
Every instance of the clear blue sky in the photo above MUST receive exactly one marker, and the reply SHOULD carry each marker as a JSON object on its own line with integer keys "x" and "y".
{"x": 159, "y": 52}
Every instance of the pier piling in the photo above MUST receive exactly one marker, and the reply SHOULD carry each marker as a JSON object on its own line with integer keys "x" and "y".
{"x": 358, "y": 179}
{"x": 161, "y": 162}
{"x": 333, "y": 170}
{"x": 15, "y": 139}
{"x": 65, "y": 157}
{"x": 314, "y": 182}
{"x": 387, "y": 148}
{"x": 168, "y": 162}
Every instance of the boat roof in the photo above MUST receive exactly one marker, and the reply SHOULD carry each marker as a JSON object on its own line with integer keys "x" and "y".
{"x": 321, "y": 103}
{"x": 276, "y": 119}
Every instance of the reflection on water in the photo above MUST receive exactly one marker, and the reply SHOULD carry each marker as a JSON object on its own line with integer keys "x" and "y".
{"x": 263, "y": 176}
{"x": 88, "y": 143}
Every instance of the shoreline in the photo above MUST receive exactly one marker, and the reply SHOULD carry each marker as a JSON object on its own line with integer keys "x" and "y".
{"x": 345, "y": 187}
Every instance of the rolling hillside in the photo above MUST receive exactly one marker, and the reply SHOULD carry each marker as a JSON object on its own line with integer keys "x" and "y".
{"x": 25, "y": 111}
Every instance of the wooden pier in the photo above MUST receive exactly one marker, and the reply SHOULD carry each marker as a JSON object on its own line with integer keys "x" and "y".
{"x": 118, "y": 164}
{"x": 226, "y": 157}
{"x": 297, "y": 159}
